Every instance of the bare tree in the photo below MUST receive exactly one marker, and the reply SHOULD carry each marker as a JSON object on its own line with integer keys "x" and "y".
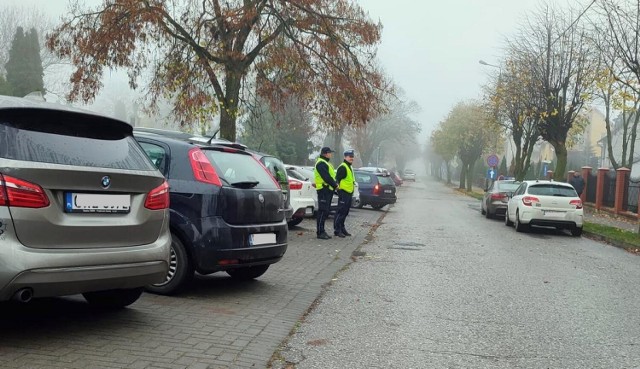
{"x": 554, "y": 43}
{"x": 616, "y": 40}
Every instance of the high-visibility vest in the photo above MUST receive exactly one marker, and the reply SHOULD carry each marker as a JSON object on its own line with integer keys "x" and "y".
{"x": 347, "y": 184}
{"x": 320, "y": 184}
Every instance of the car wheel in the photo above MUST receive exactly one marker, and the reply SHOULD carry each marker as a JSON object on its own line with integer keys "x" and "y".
{"x": 113, "y": 299}
{"x": 248, "y": 273}
{"x": 378, "y": 206}
{"x": 519, "y": 226}
{"x": 507, "y": 222}
{"x": 576, "y": 231}
{"x": 180, "y": 270}
{"x": 294, "y": 222}
{"x": 488, "y": 214}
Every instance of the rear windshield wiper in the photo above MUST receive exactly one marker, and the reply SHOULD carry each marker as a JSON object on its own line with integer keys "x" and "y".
{"x": 245, "y": 184}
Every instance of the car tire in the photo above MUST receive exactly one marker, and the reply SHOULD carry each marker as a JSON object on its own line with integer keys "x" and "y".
{"x": 378, "y": 206}
{"x": 507, "y": 222}
{"x": 519, "y": 226}
{"x": 482, "y": 211}
{"x": 248, "y": 273}
{"x": 113, "y": 299}
{"x": 294, "y": 222}
{"x": 576, "y": 231}
{"x": 180, "y": 272}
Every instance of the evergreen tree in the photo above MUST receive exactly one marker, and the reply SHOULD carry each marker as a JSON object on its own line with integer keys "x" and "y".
{"x": 503, "y": 167}
{"x": 24, "y": 68}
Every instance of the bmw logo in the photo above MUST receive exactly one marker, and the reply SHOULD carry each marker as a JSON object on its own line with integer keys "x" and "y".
{"x": 106, "y": 182}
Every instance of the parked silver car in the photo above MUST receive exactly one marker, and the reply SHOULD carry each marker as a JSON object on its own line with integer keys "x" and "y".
{"x": 82, "y": 208}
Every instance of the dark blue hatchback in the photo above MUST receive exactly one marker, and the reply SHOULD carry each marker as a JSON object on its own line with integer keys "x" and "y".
{"x": 226, "y": 209}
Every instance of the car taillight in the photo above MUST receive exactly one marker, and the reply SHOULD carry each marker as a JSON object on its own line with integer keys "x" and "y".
{"x": 498, "y": 196}
{"x": 577, "y": 203}
{"x": 203, "y": 171}
{"x": 295, "y": 184}
{"x": 376, "y": 189}
{"x": 21, "y": 194}
{"x": 158, "y": 198}
{"x": 529, "y": 200}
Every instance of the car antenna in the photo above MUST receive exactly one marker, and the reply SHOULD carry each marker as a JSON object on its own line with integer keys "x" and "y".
{"x": 214, "y": 136}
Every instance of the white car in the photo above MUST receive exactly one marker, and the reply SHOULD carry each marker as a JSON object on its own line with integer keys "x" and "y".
{"x": 303, "y": 197}
{"x": 546, "y": 204}
{"x": 409, "y": 175}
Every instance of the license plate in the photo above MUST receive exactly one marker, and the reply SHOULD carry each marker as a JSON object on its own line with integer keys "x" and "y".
{"x": 388, "y": 191}
{"x": 552, "y": 213}
{"x": 262, "y": 239}
{"x": 96, "y": 203}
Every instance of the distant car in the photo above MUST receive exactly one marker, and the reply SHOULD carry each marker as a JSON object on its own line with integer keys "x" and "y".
{"x": 226, "y": 209}
{"x": 396, "y": 179}
{"x": 82, "y": 208}
{"x": 375, "y": 170}
{"x": 545, "y": 203}
{"x": 303, "y": 196}
{"x": 409, "y": 175}
{"x": 376, "y": 189}
{"x": 496, "y": 197}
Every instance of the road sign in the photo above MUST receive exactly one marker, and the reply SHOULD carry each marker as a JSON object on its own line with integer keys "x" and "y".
{"x": 491, "y": 174}
{"x": 545, "y": 169}
{"x": 493, "y": 160}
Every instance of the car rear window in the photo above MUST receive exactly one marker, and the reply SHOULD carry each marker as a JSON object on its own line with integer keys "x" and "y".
{"x": 69, "y": 139}
{"x": 295, "y": 175}
{"x": 238, "y": 167}
{"x": 552, "y": 190}
{"x": 385, "y": 181}
{"x": 508, "y": 186}
{"x": 277, "y": 169}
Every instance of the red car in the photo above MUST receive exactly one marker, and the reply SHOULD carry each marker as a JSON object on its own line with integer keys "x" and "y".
{"x": 396, "y": 179}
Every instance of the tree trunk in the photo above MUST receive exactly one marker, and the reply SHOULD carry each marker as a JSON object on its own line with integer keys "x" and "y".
{"x": 463, "y": 174}
{"x": 470, "y": 176}
{"x": 561, "y": 166}
{"x": 337, "y": 145}
{"x": 448, "y": 166}
{"x": 229, "y": 105}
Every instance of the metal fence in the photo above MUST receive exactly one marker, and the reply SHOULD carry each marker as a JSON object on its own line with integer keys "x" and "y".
{"x": 592, "y": 182}
{"x": 631, "y": 192}
{"x": 609, "y": 198}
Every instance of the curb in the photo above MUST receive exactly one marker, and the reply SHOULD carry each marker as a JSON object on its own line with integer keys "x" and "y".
{"x": 609, "y": 241}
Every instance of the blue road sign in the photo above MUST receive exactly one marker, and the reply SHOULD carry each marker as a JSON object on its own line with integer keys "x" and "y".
{"x": 493, "y": 160}
{"x": 545, "y": 169}
{"x": 491, "y": 174}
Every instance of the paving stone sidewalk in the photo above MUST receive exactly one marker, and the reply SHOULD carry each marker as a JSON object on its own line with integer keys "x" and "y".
{"x": 217, "y": 323}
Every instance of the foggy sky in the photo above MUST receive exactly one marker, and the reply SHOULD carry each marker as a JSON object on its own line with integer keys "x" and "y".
{"x": 430, "y": 48}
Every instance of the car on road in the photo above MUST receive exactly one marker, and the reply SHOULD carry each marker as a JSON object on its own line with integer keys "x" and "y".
{"x": 226, "y": 209}
{"x": 496, "y": 197}
{"x": 376, "y": 189}
{"x": 545, "y": 203}
{"x": 82, "y": 208}
{"x": 396, "y": 178}
{"x": 303, "y": 196}
{"x": 409, "y": 175}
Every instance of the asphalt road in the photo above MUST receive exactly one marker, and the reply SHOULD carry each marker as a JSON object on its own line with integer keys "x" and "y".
{"x": 440, "y": 286}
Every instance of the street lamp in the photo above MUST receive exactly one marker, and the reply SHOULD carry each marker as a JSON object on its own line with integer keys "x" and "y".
{"x": 482, "y": 62}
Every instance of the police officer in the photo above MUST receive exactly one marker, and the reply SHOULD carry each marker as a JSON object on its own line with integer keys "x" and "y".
{"x": 346, "y": 185}
{"x": 325, "y": 185}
